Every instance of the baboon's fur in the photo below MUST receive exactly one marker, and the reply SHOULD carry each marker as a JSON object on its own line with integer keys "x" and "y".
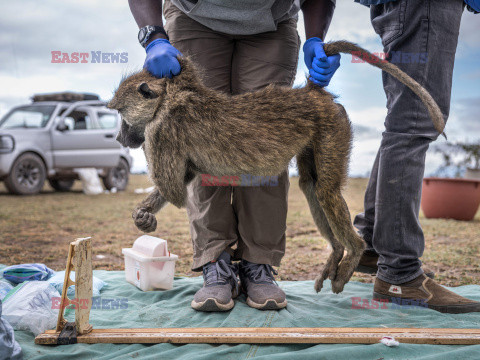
{"x": 187, "y": 129}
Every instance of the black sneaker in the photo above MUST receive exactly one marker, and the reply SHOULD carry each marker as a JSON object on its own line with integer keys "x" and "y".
{"x": 260, "y": 286}
{"x": 220, "y": 286}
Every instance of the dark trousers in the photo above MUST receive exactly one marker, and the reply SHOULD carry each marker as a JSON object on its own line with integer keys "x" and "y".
{"x": 409, "y": 29}
{"x": 252, "y": 218}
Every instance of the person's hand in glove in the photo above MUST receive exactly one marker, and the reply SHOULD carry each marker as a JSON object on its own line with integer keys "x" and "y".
{"x": 321, "y": 67}
{"x": 473, "y": 5}
{"x": 161, "y": 59}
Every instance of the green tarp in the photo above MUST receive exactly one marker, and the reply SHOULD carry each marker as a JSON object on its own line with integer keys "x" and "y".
{"x": 305, "y": 309}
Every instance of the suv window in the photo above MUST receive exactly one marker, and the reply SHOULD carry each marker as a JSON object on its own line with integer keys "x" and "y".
{"x": 33, "y": 116}
{"x": 78, "y": 120}
{"x": 107, "y": 120}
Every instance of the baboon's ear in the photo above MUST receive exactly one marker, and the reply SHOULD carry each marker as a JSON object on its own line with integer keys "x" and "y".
{"x": 146, "y": 92}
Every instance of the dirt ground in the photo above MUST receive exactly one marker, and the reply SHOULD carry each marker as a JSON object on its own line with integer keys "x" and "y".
{"x": 39, "y": 228}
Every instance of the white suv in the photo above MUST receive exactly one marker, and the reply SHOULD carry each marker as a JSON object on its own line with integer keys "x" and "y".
{"x": 56, "y": 134}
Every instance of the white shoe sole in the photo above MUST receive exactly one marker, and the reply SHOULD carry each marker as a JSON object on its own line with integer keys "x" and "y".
{"x": 269, "y": 304}
{"x": 212, "y": 304}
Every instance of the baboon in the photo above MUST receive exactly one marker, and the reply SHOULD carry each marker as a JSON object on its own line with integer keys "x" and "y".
{"x": 186, "y": 129}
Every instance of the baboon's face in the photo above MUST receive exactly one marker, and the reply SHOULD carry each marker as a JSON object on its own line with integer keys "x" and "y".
{"x": 137, "y": 99}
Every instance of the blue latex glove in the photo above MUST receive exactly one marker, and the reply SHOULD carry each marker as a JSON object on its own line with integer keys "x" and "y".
{"x": 161, "y": 59}
{"x": 474, "y": 4}
{"x": 321, "y": 67}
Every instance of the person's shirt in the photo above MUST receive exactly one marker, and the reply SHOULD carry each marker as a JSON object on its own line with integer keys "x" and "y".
{"x": 240, "y": 17}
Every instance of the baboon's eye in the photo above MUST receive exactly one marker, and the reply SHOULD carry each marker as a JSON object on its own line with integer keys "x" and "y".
{"x": 146, "y": 92}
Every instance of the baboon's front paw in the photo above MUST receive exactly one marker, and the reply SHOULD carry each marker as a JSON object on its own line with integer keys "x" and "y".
{"x": 144, "y": 220}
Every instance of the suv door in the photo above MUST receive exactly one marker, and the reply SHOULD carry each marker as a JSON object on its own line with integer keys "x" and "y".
{"x": 84, "y": 143}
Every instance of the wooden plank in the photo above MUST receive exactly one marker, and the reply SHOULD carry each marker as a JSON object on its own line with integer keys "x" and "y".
{"x": 289, "y": 329}
{"x": 83, "y": 284}
{"x": 272, "y": 336}
{"x": 66, "y": 283}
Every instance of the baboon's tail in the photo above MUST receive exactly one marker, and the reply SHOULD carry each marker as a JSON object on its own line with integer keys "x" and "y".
{"x": 336, "y": 47}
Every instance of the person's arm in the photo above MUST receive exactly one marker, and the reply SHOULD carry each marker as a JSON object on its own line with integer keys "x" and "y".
{"x": 147, "y": 12}
{"x": 317, "y": 15}
{"x": 161, "y": 60}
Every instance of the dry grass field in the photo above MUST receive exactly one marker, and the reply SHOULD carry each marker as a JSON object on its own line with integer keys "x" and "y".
{"x": 39, "y": 228}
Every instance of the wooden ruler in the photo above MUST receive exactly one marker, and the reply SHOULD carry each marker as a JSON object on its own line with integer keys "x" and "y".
{"x": 80, "y": 258}
{"x": 271, "y": 336}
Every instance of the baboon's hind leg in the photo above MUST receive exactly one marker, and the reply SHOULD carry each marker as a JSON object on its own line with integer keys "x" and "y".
{"x": 307, "y": 172}
{"x": 331, "y": 152}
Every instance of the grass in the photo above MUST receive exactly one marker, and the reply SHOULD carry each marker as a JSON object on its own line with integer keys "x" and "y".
{"x": 39, "y": 228}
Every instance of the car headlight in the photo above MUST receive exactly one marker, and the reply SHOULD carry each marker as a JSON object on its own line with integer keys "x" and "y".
{"x": 7, "y": 144}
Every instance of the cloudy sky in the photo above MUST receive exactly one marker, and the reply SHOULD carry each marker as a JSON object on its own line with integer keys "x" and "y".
{"x": 30, "y": 30}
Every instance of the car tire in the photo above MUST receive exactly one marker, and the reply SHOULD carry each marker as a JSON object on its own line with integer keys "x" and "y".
{"x": 61, "y": 185}
{"x": 117, "y": 177}
{"x": 27, "y": 175}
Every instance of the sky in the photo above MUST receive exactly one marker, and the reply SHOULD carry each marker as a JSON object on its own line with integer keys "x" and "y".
{"x": 30, "y": 30}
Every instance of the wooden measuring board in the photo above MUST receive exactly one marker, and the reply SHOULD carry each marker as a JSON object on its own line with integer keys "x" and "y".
{"x": 271, "y": 336}
{"x": 80, "y": 331}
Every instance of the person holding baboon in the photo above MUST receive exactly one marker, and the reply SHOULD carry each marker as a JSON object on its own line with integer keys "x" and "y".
{"x": 240, "y": 47}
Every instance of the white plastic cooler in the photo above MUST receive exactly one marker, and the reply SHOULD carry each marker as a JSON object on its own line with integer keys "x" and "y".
{"x": 149, "y": 265}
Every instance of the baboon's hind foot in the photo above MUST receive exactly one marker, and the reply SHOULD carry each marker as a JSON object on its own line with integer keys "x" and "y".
{"x": 345, "y": 271}
{"x": 330, "y": 269}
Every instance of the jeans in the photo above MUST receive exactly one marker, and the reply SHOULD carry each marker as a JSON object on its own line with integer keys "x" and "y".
{"x": 420, "y": 37}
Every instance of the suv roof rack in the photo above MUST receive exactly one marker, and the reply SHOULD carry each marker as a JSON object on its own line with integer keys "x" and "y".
{"x": 66, "y": 96}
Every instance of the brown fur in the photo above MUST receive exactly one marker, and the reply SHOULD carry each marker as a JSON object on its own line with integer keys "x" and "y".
{"x": 187, "y": 129}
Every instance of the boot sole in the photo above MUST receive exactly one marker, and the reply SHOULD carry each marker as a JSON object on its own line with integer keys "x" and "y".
{"x": 212, "y": 304}
{"x": 269, "y": 304}
{"x": 446, "y": 309}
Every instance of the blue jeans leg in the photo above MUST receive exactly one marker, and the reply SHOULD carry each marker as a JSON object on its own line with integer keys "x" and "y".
{"x": 420, "y": 37}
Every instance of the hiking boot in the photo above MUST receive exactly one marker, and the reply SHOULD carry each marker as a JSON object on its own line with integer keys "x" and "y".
{"x": 426, "y": 292}
{"x": 260, "y": 286}
{"x": 368, "y": 265}
{"x": 220, "y": 286}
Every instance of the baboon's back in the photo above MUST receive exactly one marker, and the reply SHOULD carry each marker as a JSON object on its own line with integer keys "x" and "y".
{"x": 271, "y": 125}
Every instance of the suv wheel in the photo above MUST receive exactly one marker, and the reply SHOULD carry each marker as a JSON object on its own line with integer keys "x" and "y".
{"x": 27, "y": 175}
{"x": 117, "y": 177}
{"x": 61, "y": 185}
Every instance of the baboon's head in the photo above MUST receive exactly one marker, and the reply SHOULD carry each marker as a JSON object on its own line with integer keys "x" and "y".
{"x": 137, "y": 98}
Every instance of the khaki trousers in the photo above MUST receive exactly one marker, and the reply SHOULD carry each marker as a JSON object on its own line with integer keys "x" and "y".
{"x": 251, "y": 217}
